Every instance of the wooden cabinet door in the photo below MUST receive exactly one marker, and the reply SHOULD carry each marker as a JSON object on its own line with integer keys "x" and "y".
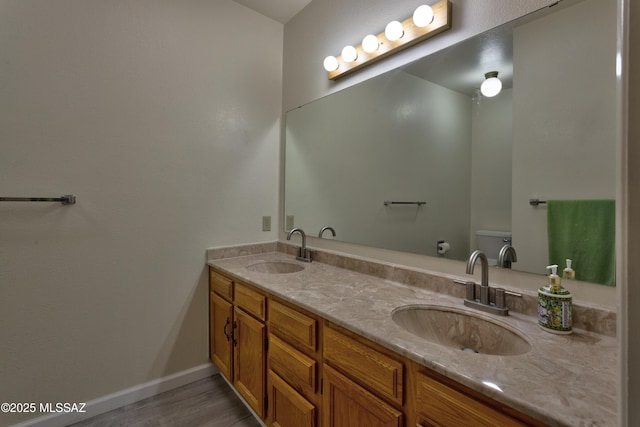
{"x": 287, "y": 407}
{"x": 346, "y": 404}
{"x": 249, "y": 360}
{"x": 220, "y": 334}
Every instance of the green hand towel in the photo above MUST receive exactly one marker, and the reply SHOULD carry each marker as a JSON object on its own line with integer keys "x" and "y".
{"x": 583, "y": 231}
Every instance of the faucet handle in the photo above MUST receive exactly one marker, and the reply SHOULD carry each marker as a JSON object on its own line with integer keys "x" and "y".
{"x": 471, "y": 291}
{"x": 470, "y": 288}
{"x": 500, "y": 298}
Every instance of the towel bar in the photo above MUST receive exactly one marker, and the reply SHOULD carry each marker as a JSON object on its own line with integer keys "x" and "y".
{"x": 67, "y": 199}
{"x": 387, "y": 203}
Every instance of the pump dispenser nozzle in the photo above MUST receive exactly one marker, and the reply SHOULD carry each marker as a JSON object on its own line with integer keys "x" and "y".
{"x": 554, "y": 279}
{"x": 568, "y": 272}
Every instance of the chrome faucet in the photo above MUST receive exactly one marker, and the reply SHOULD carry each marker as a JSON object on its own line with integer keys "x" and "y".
{"x": 484, "y": 304}
{"x": 303, "y": 252}
{"x": 506, "y": 256}
{"x": 484, "y": 265}
{"x": 325, "y": 228}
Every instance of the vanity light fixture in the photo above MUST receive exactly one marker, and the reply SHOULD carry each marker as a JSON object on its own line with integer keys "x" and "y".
{"x": 423, "y": 16}
{"x": 349, "y": 53}
{"x": 370, "y": 43}
{"x": 492, "y": 84}
{"x": 394, "y": 31}
{"x": 331, "y": 63}
{"x": 426, "y": 22}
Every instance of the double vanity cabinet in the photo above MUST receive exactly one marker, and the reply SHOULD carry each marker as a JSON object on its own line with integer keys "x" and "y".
{"x": 295, "y": 368}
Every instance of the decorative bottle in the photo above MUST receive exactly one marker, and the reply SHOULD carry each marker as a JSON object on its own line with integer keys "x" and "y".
{"x": 554, "y": 305}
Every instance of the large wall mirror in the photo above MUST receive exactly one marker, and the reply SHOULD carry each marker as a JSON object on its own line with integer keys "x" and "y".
{"x": 425, "y": 133}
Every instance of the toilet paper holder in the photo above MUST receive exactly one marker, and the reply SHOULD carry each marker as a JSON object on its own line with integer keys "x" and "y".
{"x": 442, "y": 247}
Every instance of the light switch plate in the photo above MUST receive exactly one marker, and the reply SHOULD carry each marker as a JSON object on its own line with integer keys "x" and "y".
{"x": 266, "y": 223}
{"x": 289, "y": 224}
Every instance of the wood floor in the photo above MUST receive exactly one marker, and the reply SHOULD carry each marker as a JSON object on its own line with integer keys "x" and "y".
{"x": 208, "y": 403}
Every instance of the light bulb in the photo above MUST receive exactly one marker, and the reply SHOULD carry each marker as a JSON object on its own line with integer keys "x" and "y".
{"x": 330, "y": 63}
{"x": 349, "y": 54}
{"x": 394, "y": 31}
{"x": 423, "y": 16}
{"x": 492, "y": 85}
{"x": 370, "y": 43}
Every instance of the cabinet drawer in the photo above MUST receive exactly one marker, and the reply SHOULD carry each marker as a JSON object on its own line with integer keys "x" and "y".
{"x": 221, "y": 284}
{"x": 446, "y": 407}
{"x": 293, "y": 325}
{"x": 293, "y": 366}
{"x": 251, "y": 301}
{"x": 369, "y": 367}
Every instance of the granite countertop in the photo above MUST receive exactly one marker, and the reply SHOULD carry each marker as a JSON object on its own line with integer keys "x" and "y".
{"x": 564, "y": 380}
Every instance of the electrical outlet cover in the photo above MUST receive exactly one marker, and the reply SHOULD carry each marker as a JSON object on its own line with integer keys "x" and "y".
{"x": 266, "y": 223}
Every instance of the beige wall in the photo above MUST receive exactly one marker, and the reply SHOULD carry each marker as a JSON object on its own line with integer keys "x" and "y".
{"x": 163, "y": 119}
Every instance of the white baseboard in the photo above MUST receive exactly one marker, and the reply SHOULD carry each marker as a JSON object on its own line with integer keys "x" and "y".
{"x": 124, "y": 397}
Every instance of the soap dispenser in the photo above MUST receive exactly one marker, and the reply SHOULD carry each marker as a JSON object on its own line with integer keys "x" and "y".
{"x": 568, "y": 272}
{"x": 554, "y": 305}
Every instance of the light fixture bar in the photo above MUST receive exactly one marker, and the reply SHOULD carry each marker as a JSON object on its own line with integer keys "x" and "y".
{"x": 412, "y": 35}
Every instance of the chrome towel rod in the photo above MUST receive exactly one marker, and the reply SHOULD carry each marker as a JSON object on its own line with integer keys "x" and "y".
{"x": 387, "y": 203}
{"x": 67, "y": 199}
{"x": 536, "y": 202}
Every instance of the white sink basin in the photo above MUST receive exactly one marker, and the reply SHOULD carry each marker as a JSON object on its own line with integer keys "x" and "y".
{"x": 275, "y": 267}
{"x": 461, "y": 330}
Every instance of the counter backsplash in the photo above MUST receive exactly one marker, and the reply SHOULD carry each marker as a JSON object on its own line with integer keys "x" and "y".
{"x": 587, "y": 317}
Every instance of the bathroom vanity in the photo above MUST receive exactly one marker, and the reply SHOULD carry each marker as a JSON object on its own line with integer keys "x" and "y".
{"x": 323, "y": 344}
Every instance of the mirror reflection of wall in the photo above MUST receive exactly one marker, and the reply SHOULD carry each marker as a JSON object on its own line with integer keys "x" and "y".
{"x": 421, "y": 133}
{"x": 491, "y": 168}
{"x": 388, "y": 139}
{"x": 564, "y": 117}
